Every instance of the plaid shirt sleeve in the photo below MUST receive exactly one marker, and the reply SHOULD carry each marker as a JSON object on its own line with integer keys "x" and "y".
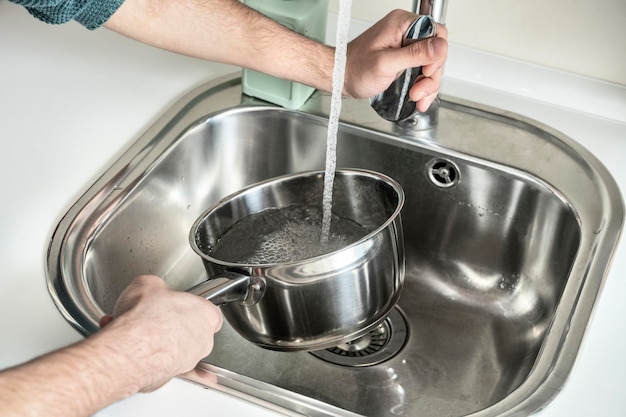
{"x": 89, "y": 13}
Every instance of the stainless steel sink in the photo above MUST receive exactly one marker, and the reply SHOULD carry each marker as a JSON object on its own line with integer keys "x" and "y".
{"x": 509, "y": 232}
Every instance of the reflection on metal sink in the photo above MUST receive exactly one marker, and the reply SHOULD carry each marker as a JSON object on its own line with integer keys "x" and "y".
{"x": 509, "y": 231}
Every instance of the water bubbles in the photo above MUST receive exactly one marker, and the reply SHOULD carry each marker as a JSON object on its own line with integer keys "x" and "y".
{"x": 284, "y": 235}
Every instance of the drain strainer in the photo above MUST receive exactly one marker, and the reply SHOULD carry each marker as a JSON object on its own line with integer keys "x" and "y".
{"x": 377, "y": 346}
{"x": 443, "y": 173}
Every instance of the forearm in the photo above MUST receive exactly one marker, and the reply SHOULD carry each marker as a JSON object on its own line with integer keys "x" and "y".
{"x": 226, "y": 31}
{"x": 76, "y": 381}
{"x": 154, "y": 335}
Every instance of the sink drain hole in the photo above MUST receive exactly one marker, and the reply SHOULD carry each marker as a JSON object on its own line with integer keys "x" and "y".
{"x": 380, "y": 344}
{"x": 443, "y": 173}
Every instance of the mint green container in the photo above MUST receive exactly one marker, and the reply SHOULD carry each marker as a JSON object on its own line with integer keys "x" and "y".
{"x": 307, "y": 17}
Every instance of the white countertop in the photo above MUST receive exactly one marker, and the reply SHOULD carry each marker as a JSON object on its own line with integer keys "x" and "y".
{"x": 71, "y": 100}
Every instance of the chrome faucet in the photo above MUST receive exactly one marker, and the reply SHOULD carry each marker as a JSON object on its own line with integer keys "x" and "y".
{"x": 394, "y": 103}
{"x": 429, "y": 118}
{"x": 434, "y": 8}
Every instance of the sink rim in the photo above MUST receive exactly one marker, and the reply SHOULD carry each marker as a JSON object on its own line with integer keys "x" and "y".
{"x": 581, "y": 292}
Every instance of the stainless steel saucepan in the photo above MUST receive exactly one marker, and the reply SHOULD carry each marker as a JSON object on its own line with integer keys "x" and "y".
{"x": 318, "y": 302}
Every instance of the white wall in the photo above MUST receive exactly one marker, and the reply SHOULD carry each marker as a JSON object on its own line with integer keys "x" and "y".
{"x": 580, "y": 36}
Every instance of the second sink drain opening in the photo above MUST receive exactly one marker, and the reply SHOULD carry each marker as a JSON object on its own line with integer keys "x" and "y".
{"x": 443, "y": 173}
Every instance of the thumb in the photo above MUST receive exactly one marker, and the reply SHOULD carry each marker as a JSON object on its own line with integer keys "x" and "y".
{"x": 426, "y": 53}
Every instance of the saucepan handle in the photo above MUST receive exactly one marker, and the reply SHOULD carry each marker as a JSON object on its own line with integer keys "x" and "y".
{"x": 231, "y": 287}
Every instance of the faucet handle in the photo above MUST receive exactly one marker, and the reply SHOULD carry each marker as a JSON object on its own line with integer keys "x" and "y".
{"x": 394, "y": 103}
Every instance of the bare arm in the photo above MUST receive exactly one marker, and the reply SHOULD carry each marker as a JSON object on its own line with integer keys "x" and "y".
{"x": 156, "y": 334}
{"x": 225, "y": 31}
{"x": 230, "y": 32}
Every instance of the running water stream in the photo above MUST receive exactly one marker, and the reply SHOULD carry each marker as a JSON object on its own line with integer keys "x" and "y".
{"x": 293, "y": 233}
{"x": 339, "y": 69}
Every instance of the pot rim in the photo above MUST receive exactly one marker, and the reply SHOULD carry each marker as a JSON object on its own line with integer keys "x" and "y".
{"x": 343, "y": 171}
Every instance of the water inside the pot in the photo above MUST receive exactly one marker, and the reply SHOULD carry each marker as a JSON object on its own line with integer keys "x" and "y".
{"x": 281, "y": 235}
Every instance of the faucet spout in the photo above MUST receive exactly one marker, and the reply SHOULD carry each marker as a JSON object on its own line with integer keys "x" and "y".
{"x": 394, "y": 104}
{"x": 426, "y": 120}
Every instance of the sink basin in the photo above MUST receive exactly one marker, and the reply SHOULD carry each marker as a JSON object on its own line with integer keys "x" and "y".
{"x": 509, "y": 231}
